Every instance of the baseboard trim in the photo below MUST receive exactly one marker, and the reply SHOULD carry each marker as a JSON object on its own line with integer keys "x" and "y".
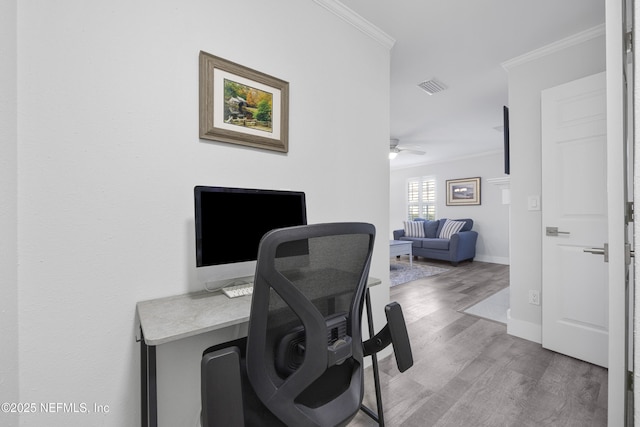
{"x": 492, "y": 259}
{"x": 523, "y": 329}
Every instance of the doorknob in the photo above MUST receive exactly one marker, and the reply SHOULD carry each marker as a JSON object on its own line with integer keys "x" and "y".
{"x": 553, "y": 231}
{"x": 628, "y": 252}
{"x": 595, "y": 251}
{"x": 599, "y": 251}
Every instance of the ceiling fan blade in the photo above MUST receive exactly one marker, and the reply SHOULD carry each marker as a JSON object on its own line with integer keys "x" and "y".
{"x": 411, "y": 150}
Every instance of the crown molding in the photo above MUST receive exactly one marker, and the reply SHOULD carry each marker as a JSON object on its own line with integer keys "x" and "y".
{"x": 554, "y": 47}
{"x": 351, "y": 17}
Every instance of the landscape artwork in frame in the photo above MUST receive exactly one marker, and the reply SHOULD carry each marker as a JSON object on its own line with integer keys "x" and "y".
{"x": 242, "y": 106}
{"x": 463, "y": 191}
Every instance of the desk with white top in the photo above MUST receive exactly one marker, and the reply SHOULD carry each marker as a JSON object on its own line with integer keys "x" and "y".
{"x": 173, "y": 318}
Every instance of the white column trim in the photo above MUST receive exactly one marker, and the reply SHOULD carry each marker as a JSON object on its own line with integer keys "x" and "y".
{"x": 504, "y": 183}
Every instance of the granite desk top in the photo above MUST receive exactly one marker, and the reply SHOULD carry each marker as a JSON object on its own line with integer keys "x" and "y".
{"x": 172, "y": 318}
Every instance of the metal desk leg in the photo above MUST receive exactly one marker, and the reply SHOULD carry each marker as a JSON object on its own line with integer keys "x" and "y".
{"x": 148, "y": 386}
{"x": 376, "y": 374}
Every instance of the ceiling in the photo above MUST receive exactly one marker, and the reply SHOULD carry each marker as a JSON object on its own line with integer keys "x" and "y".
{"x": 462, "y": 44}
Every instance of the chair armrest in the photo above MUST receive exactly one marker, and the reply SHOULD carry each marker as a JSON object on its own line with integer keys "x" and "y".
{"x": 394, "y": 332}
{"x": 397, "y": 234}
{"x": 463, "y": 245}
{"x": 221, "y": 388}
{"x": 465, "y": 237}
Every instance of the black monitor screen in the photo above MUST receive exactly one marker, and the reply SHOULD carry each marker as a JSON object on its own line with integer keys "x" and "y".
{"x": 231, "y": 221}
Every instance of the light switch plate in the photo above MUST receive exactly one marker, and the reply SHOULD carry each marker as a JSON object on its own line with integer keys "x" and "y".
{"x": 533, "y": 203}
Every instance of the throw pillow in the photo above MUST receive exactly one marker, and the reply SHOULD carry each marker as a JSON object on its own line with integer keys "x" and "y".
{"x": 413, "y": 228}
{"x": 450, "y": 228}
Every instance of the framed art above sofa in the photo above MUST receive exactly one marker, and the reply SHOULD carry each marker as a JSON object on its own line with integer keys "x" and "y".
{"x": 465, "y": 191}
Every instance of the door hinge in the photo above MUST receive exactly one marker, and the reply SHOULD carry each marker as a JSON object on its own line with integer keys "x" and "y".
{"x": 628, "y": 41}
{"x": 628, "y": 214}
{"x": 628, "y": 253}
{"x": 629, "y": 381}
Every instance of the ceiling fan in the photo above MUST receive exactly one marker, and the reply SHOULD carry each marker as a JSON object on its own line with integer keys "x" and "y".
{"x": 395, "y": 149}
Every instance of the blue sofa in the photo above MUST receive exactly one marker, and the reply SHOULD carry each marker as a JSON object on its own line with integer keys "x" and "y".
{"x": 460, "y": 246}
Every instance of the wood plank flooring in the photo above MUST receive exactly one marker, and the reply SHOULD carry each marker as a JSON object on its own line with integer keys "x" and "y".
{"x": 468, "y": 372}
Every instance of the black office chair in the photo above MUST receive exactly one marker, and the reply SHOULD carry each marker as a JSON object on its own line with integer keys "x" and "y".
{"x": 302, "y": 362}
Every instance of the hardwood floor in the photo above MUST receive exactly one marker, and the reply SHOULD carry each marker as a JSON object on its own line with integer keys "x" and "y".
{"x": 468, "y": 372}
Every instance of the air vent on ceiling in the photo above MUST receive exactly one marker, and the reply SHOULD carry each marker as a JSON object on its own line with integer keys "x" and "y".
{"x": 432, "y": 86}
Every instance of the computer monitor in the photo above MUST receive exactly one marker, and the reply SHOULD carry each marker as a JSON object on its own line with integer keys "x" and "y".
{"x": 229, "y": 222}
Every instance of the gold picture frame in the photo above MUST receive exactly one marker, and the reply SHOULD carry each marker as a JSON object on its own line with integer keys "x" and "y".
{"x": 242, "y": 106}
{"x": 463, "y": 192}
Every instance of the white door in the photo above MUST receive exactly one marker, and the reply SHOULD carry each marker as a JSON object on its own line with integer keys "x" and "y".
{"x": 575, "y": 315}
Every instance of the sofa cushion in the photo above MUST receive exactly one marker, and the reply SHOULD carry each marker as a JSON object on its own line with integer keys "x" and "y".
{"x": 431, "y": 228}
{"x": 416, "y": 242}
{"x": 449, "y": 228}
{"x": 468, "y": 224}
{"x": 439, "y": 244}
{"x": 413, "y": 228}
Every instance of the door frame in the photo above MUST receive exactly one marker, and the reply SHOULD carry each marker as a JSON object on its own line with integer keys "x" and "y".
{"x": 616, "y": 183}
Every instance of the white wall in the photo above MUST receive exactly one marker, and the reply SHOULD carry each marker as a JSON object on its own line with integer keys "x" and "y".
{"x": 490, "y": 219}
{"x": 8, "y": 211}
{"x": 528, "y": 76}
{"x": 109, "y": 155}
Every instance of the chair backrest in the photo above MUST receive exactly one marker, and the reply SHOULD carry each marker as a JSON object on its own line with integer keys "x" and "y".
{"x": 304, "y": 347}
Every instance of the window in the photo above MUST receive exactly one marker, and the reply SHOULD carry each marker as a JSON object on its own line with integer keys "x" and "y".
{"x": 421, "y": 198}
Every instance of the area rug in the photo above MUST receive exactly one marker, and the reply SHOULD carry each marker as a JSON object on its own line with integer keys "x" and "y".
{"x": 493, "y": 308}
{"x": 402, "y": 273}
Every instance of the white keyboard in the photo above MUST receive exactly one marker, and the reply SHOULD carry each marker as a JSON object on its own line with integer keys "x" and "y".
{"x": 241, "y": 290}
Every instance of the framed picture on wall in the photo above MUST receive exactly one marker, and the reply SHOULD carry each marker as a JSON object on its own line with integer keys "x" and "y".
{"x": 465, "y": 191}
{"x": 242, "y": 106}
